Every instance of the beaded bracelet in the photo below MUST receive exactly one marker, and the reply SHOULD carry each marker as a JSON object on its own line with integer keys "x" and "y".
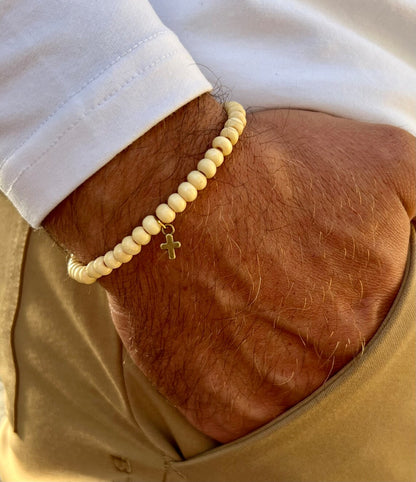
{"x": 166, "y": 212}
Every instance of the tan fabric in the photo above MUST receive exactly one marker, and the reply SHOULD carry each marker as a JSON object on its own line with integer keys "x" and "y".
{"x": 84, "y": 412}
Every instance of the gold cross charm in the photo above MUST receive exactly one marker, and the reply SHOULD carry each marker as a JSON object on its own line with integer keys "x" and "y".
{"x": 170, "y": 244}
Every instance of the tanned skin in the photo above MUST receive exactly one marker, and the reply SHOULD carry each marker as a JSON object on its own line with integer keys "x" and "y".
{"x": 290, "y": 259}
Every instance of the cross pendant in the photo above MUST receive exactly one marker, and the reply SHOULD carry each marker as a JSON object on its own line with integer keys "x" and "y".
{"x": 170, "y": 245}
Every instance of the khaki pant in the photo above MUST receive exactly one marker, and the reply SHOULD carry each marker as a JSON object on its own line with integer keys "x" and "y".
{"x": 78, "y": 409}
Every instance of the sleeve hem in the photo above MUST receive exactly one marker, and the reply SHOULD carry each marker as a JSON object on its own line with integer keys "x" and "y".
{"x": 113, "y": 110}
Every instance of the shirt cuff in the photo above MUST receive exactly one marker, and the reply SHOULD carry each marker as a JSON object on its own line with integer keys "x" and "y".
{"x": 134, "y": 92}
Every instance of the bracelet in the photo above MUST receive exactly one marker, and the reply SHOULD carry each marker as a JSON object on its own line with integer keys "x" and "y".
{"x": 166, "y": 212}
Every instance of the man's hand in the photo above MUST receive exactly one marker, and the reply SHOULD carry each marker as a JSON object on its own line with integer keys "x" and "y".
{"x": 290, "y": 258}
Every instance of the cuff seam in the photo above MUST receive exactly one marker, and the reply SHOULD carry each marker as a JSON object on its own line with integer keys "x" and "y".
{"x": 84, "y": 86}
{"x": 108, "y": 97}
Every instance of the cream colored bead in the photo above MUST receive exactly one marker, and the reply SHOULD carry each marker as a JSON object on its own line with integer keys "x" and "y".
{"x": 92, "y": 272}
{"x": 177, "y": 202}
{"x": 111, "y": 261}
{"x": 74, "y": 262}
{"x": 77, "y": 273}
{"x": 140, "y": 236}
{"x": 71, "y": 269}
{"x": 80, "y": 274}
{"x": 74, "y": 270}
{"x": 100, "y": 267}
{"x": 151, "y": 225}
{"x": 207, "y": 167}
{"x": 197, "y": 179}
{"x": 71, "y": 263}
{"x": 120, "y": 254}
{"x": 130, "y": 246}
{"x": 235, "y": 124}
{"x": 165, "y": 213}
{"x": 235, "y": 114}
{"x": 215, "y": 155}
{"x": 231, "y": 134}
{"x": 84, "y": 278}
{"x": 233, "y": 105}
{"x": 187, "y": 191}
{"x": 224, "y": 144}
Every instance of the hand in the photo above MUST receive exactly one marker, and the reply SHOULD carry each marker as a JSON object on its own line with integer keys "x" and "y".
{"x": 290, "y": 260}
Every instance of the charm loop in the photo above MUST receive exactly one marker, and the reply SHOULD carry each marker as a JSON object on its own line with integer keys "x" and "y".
{"x": 168, "y": 226}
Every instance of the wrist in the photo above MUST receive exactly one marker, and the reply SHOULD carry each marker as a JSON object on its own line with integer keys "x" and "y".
{"x": 106, "y": 207}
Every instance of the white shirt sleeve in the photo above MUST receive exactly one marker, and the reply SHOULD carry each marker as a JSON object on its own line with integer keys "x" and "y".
{"x": 349, "y": 58}
{"x": 79, "y": 81}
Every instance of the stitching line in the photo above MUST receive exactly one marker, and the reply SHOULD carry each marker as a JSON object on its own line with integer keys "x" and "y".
{"x": 84, "y": 86}
{"x": 87, "y": 112}
{"x": 167, "y": 466}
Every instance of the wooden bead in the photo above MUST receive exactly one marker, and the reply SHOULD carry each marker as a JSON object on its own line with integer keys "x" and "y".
{"x": 71, "y": 269}
{"x": 92, "y": 272}
{"x": 197, "y": 179}
{"x": 130, "y": 246}
{"x": 187, "y": 191}
{"x": 71, "y": 263}
{"x": 84, "y": 278}
{"x": 177, "y": 202}
{"x": 111, "y": 261}
{"x": 100, "y": 267}
{"x": 235, "y": 124}
{"x": 207, "y": 167}
{"x": 140, "y": 236}
{"x": 235, "y": 114}
{"x": 215, "y": 155}
{"x": 224, "y": 144}
{"x": 232, "y": 106}
{"x": 151, "y": 225}
{"x": 165, "y": 213}
{"x": 120, "y": 254}
{"x": 79, "y": 273}
{"x": 231, "y": 134}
